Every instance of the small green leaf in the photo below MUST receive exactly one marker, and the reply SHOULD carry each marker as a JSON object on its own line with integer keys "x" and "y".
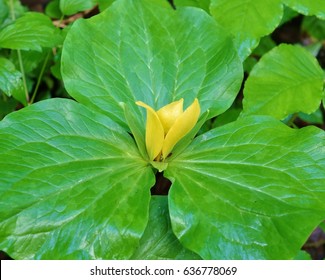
{"x": 32, "y": 31}
{"x": 203, "y": 4}
{"x": 286, "y": 80}
{"x": 11, "y": 80}
{"x": 137, "y": 128}
{"x": 307, "y": 7}
{"x": 7, "y": 105}
{"x": 265, "y": 45}
{"x": 158, "y": 241}
{"x": 153, "y": 54}
{"x": 322, "y": 226}
{"x": 53, "y": 9}
{"x": 248, "y": 20}
{"x": 10, "y": 10}
{"x": 4, "y": 11}
{"x": 104, "y": 4}
{"x": 314, "y": 118}
{"x": 252, "y": 189}
{"x": 315, "y": 27}
{"x": 72, "y": 184}
{"x": 288, "y": 14}
{"x": 70, "y": 7}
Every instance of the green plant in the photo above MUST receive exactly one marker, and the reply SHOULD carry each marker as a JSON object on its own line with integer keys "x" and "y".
{"x": 75, "y": 176}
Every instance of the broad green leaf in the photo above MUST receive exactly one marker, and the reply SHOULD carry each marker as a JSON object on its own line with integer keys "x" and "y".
{"x": 153, "y": 54}
{"x": 158, "y": 241}
{"x": 72, "y": 185}
{"x": 252, "y": 189}
{"x": 203, "y": 4}
{"x": 307, "y": 7}
{"x": 11, "y": 80}
{"x": 303, "y": 255}
{"x": 69, "y": 7}
{"x": 286, "y": 80}
{"x": 248, "y": 20}
{"x": 32, "y": 31}
{"x": 315, "y": 27}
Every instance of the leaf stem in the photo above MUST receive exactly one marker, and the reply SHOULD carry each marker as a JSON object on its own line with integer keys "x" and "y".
{"x": 40, "y": 76}
{"x": 21, "y": 65}
{"x": 290, "y": 122}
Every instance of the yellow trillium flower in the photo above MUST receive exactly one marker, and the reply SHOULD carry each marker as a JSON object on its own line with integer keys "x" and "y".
{"x": 165, "y": 127}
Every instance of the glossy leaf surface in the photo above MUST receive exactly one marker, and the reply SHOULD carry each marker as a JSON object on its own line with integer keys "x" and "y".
{"x": 286, "y": 80}
{"x": 158, "y": 241}
{"x": 69, "y": 7}
{"x": 252, "y": 189}
{"x": 11, "y": 80}
{"x": 32, "y": 31}
{"x": 203, "y": 4}
{"x": 307, "y": 7}
{"x": 248, "y": 20}
{"x": 151, "y": 54}
{"x": 72, "y": 185}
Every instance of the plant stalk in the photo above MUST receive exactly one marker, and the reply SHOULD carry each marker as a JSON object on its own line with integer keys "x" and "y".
{"x": 40, "y": 76}
{"x": 21, "y": 65}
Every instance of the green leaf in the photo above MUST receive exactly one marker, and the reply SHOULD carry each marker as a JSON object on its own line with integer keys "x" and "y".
{"x": 314, "y": 26}
{"x": 32, "y": 31}
{"x": 302, "y": 255}
{"x": 322, "y": 225}
{"x": 203, "y": 4}
{"x": 70, "y": 7}
{"x": 4, "y": 11}
{"x": 288, "y": 14}
{"x": 104, "y": 4}
{"x": 72, "y": 185}
{"x": 11, "y": 80}
{"x": 30, "y": 59}
{"x": 253, "y": 189}
{"x": 314, "y": 118}
{"x": 248, "y": 20}
{"x": 10, "y": 10}
{"x": 307, "y": 7}
{"x": 137, "y": 128}
{"x": 53, "y": 9}
{"x": 265, "y": 45}
{"x": 158, "y": 241}
{"x": 7, "y": 105}
{"x": 286, "y": 80}
{"x": 150, "y": 53}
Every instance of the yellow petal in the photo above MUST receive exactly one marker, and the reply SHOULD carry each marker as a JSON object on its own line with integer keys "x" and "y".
{"x": 154, "y": 132}
{"x": 183, "y": 125}
{"x": 169, "y": 113}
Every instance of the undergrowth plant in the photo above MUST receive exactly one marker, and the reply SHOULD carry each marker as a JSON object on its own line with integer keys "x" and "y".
{"x": 140, "y": 163}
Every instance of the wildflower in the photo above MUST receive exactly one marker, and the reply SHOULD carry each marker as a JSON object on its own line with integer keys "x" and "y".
{"x": 165, "y": 127}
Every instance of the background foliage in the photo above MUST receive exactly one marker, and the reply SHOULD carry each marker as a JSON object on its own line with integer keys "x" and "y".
{"x": 238, "y": 190}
